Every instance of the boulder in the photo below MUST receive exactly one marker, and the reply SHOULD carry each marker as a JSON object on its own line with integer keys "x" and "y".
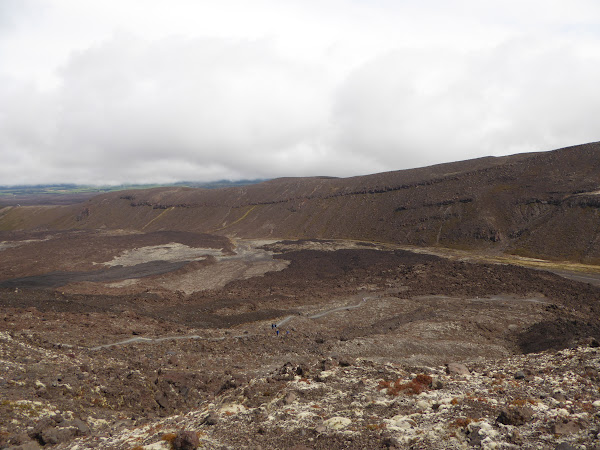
{"x": 475, "y": 437}
{"x": 515, "y": 416}
{"x": 289, "y": 398}
{"x": 39, "y": 427}
{"x": 457, "y": 369}
{"x": 347, "y": 362}
{"x": 186, "y": 440}
{"x": 337, "y": 422}
{"x": 210, "y": 419}
{"x": 565, "y": 427}
{"x": 81, "y": 426}
{"x": 53, "y": 436}
{"x": 564, "y": 446}
{"x": 289, "y": 371}
{"x": 161, "y": 399}
{"x": 559, "y": 396}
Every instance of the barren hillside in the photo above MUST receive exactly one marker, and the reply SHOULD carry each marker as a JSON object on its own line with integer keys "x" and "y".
{"x": 539, "y": 205}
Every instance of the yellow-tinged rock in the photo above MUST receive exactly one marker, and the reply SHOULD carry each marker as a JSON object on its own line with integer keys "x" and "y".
{"x": 337, "y": 423}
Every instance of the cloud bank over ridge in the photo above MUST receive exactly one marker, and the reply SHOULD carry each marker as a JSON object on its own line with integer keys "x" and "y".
{"x": 190, "y": 92}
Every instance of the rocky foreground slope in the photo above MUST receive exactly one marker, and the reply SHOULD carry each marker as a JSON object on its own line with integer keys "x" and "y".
{"x": 539, "y": 204}
{"x": 374, "y": 348}
{"x": 544, "y": 400}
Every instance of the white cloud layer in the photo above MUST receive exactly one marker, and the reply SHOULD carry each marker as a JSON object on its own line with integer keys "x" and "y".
{"x": 129, "y": 91}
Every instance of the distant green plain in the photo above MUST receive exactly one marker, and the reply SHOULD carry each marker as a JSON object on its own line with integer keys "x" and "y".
{"x": 55, "y": 189}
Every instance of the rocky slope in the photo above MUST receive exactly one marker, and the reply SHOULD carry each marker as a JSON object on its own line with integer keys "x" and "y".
{"x": 541, "y": 400}
{"x": 546, "y": 400}
{"x": 135, "y": 320}
{"x": 365, "y": 333}
{"x": 540, "y": 204}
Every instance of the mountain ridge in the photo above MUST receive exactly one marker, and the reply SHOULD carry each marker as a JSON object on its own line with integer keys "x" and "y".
{"x": 542, "y": 204}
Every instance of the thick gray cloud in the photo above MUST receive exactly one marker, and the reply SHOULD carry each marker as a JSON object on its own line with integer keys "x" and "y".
{"x": 336, "y": 87}
{"x": 415, "y": 107}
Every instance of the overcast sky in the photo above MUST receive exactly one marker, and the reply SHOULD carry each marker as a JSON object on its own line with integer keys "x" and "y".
{"x": 129, "y": 91}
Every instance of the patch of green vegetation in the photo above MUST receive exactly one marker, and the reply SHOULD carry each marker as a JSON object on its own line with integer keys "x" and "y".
{"x": 464, "y": 246}
{"x": 48, "y": 189}
{"x": 54, "y": 189}
{"x": 589, "y": 267}
{"x": 8, "y": 221}
{"x": 523, "y": 252}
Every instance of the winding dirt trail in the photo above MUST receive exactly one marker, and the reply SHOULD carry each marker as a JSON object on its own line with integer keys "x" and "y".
{"x": 195, "y": 336}
{"x": 329, "y": 311}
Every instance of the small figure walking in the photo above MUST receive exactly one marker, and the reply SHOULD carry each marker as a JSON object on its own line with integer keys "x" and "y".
{"x": 277, "y": 331}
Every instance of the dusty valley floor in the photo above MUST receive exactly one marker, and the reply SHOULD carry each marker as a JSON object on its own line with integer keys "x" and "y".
{"x": 114, "y": 339}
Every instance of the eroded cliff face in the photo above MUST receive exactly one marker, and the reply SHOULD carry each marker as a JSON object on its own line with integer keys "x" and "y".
{"x": 539, "y": 205}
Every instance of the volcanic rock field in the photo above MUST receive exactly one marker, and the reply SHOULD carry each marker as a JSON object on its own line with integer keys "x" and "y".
{"x": 449, "y": 307}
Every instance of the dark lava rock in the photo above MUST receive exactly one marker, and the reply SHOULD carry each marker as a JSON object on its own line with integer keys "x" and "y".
{"x": 82, "y": 427}
{"x": 186, "y": 440}
{"x": 36, "y": 432}
{"x": 211, "y": 419}
{"x": 475, "y": 437}
{"x": 289, "y": 371}
{"x": 515, "y": 416}
{"x": 328, "y": 364}
{"x": 556, "y": 334}
{"x": 347, "y": 362}
{"x": 55, "y": 436}
{"x": 161, "y": 399}
{"x": 391, "y": 442}
{"x": 519, "y": 375}
{"x": 590, "y": 341}
{"x": 559, "y": 396}
{"x": 564, "y": 446}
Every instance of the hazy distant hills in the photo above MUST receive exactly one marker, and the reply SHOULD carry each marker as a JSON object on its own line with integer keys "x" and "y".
{"x": 65, "y": 194}
{"x": 538, "y": 204}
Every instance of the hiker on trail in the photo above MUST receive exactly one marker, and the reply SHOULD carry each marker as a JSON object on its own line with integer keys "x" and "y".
{"x": 277, "y": 332}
